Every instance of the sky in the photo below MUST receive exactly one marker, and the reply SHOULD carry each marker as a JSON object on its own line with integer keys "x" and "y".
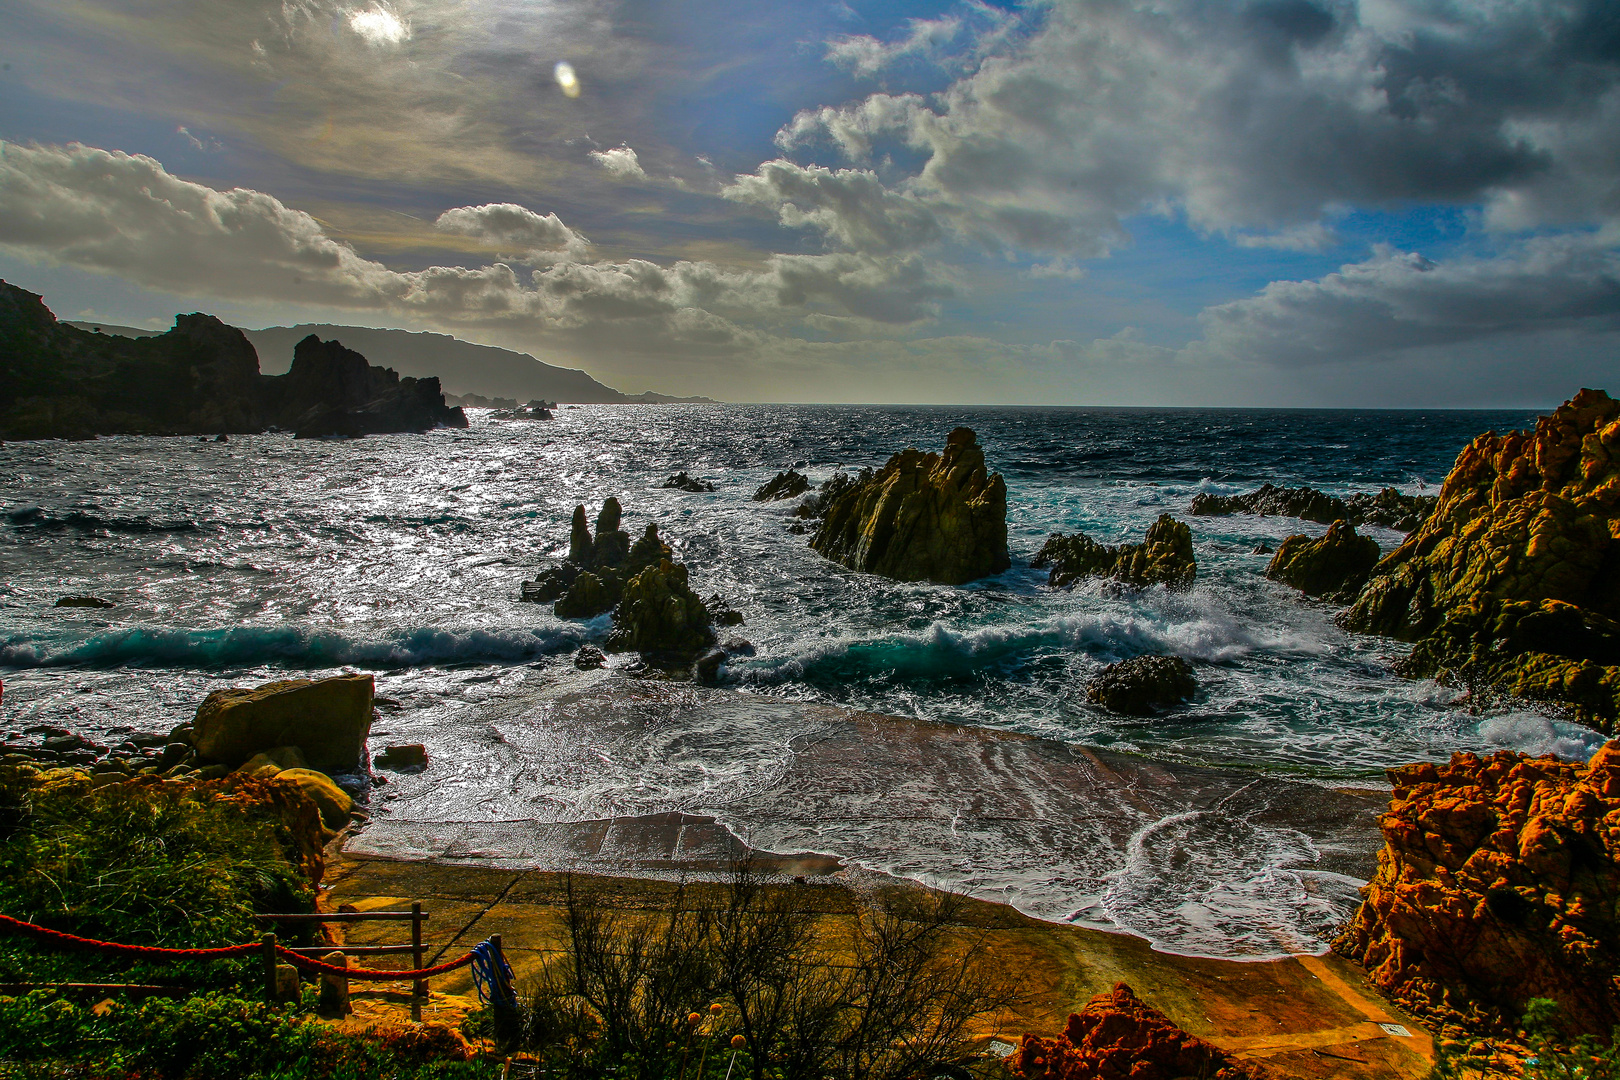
{"x": 1390, "y": 203}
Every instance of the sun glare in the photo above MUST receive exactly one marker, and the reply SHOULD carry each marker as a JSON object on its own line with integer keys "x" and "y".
{"x": 379, "y": 26}
{"x": 567, "y": 79}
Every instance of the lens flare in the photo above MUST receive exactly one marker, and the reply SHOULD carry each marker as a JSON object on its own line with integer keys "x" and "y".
{"x": 567, "y": 79}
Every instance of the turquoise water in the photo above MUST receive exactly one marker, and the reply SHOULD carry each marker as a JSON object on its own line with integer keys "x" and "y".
{"x": 265, "y": 556}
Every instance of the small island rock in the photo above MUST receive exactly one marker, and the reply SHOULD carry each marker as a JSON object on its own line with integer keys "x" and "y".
{"x": 1164, "y": 557}
{"x": 784, "y": 485}
{"x": 1142, "y": 685}
{"x": 922, "y": 517}
{"x": 660, "y": 614}
{"x": 1334, "y": 566}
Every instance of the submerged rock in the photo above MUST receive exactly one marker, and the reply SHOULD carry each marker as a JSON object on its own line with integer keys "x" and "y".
{"x": 84, "y": 601}
{"x": 1117, "y": 1036}
{"x": 1495, "y": 885}
{"x": 661, "y": 615}
{"x": 922, "y": 517}
{"x": 1389, "y": 508}
{"x": 1164, "y": 557}
{"x": 589, "y": 658}
{"x": 683, "y": 482}
{"x": 784, "y": 485}
{"x": 1526, "y": 522}
{"x": 1142, "y": 685}
{"x": 328, "y": 719}
{"x": 1335, "y": 565}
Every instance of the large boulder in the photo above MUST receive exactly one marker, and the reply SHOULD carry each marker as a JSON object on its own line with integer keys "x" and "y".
{"x": 334, "y": 803}
{"x": 1118, "y": 1036}
{"x": 1142, "y": 685}
{"x": 923, "y": 517}
{"x": 661, "y": 615}
{"x": 1164, "y": 557}
{"x": 1496, "y": 884}
{"x": 328, "y": 719}
{"x": 1335, "y": 565}
{"x": 1390, "y": 508}
{"x": 1524, "y": 518}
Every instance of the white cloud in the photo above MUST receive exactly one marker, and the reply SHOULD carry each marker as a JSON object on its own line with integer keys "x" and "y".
{"x": 379, "y": 26}
{"x": 1398, "y": 301}
{"x": 866, "y": 55}
{"x": 620, "y": 161}
{"x": 514, "y": 229}
{"x": 850, "y": 207}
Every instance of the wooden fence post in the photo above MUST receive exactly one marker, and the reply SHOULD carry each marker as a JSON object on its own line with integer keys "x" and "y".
{"x": 508, "y": 1022}
{"x": 268, "y": 954}
{"x": 419, "y": 989}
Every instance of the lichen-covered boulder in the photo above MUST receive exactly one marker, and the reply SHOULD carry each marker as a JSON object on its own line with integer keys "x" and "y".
{"x": 1496, "y": 884}
{"x": 1142, "y": 685}
{"x": 1335, "y": 565}
{"x": 1526, "y": 517}
{"x": 661, "y": 615}
{"x": 1118, "y": 1036}
{"x": 328, "y": 719}
{"x": 1164, "y": 557}
{"x": 922, "y": 517}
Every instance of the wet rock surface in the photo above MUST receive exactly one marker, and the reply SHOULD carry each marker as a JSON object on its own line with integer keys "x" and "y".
{"x": 1526, "y": 521}
{"x": 1118, "y": 1036}
{"x": 1164, "y": 557}
{"x": 1389, "y": 508}
{"x": 922, "y": 517}
{"x": 661, "y": 615}
{"x": 328, "y": 719}
{"x": 1496, "y": 884}
{"x": 1334, "y": 566}
{"x": 1143, "y": 685}
{"x": 784, "y": 485}
{"x": 683, "y": 482}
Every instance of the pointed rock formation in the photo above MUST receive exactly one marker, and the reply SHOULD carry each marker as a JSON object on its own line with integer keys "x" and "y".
{"x": 922, "y": 517}
{"x": 1164, "y": 557}
{"x": 1117, "y": 1036}
{"x": 1335, "y": 565}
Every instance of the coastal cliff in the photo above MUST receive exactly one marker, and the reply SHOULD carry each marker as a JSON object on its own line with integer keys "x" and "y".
{"x": 200, "y": 378}
{"x": 1512, "y": 585}
{"x": 922, "y": 517}
{"x": 1496, "y": 885}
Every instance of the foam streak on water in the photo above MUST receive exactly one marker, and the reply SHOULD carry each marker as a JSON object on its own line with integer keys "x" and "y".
{"x": 402, "y": 555}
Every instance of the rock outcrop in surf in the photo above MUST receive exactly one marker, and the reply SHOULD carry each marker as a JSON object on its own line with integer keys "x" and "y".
{"x": 1334, "y": 566}
{"x": 922, "y": 517}
{"x": 784, "y": 485}
{"x": 202, "y": 377}
{"x": 1512, "y": 586}
{"x": 1164, "y": 557}
{"x": 655, "y": 611}
{"x": 1496, "y": 884}
{"x": 1142, "y": 685}
{"x": 1389, "y": 508}
{"x": 1118, "y": 1036}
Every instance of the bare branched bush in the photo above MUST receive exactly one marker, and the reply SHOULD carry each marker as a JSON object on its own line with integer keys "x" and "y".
{"x": 749, "y": 979}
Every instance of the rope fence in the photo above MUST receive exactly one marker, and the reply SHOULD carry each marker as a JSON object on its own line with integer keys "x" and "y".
{"x": 58, "y": 937}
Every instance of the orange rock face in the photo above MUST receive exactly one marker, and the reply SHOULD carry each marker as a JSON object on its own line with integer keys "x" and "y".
{"x": 1527, "y": 525}
{"x": 1497, "y": 883}
{"x": 1119, "y": 1037}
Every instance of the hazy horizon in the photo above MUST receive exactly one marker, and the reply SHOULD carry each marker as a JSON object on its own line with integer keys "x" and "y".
{"x": 1283, "y": 203}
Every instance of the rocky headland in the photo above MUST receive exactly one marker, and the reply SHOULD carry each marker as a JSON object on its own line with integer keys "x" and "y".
{"x": 1389, "y": 508}
{"x": 201, "y": 378}
{"x": 922, "y": 517}
{"x": 1496, "y": 885}
{"x": 1164, "y": 557}
{"x": 1512, "y": 585}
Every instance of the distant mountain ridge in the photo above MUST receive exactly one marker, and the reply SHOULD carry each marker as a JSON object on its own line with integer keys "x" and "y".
{"x": 462, "y": 366}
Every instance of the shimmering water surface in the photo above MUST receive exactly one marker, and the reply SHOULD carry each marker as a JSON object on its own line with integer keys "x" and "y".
{"x": 247, "y": 560}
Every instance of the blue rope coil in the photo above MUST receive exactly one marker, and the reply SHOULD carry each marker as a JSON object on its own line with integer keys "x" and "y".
{"x": 488, "y": 979}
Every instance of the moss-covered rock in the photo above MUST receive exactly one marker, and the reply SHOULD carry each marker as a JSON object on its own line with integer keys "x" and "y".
{"x": 1526, "y": 517}
{"x": 661, "y": 615}
{"x": 1143, "y": 685}
{"x": 1164, "y": 557}
{"x": 1335, "y": 565}
{"x": 922, "y": 517}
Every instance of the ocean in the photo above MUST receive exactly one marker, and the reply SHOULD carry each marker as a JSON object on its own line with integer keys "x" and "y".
{"x": 265, "y": 557}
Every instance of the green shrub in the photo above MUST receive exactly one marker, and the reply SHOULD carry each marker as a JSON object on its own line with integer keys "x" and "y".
{"x": 1553, "y": 1057}
{"x": 143, "y": 864}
